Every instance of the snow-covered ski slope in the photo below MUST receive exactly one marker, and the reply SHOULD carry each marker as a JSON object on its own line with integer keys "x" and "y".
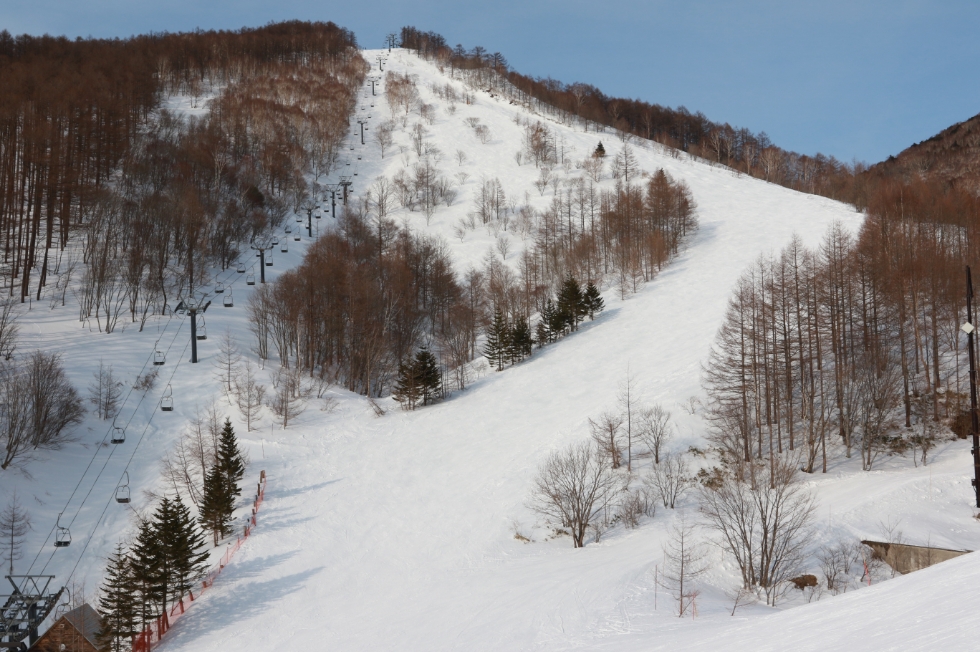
{"x": 397, "y": 532}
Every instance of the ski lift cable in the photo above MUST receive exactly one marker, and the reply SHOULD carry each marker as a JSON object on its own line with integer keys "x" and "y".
{"x": 230, "y": 282}
{"x": 98, "y": 448}
{"x": 109, "y": 502}
{"x": 112, "y": 451}
{"x": 132, "y": 455}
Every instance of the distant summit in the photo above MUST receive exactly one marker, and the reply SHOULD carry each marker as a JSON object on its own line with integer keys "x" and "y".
{"x": 952, "y": 155}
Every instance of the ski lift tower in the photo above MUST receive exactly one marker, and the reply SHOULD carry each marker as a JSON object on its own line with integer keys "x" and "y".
{"x": 362, "y": 122}
{"x": 390, "y": 40}
{"x": 373, "y": 80}
{"x": 333, "y": 189}
{"x": 309, "y": 205}
{"x": 345, "y": 183}
{"x": 23, "y": 611}
{"x": 194, "y": 305}
{"x": 262, "y": 245}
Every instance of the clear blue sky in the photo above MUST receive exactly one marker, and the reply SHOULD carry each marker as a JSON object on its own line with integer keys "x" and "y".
{"x": 855, "y": 79}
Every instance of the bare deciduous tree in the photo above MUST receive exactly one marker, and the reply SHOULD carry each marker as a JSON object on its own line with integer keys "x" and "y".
{"x": 8, "y": 328}
{"x": 187, "y": 464}
{"x": 654, "y": 430}
{"x": 764, "y": 528}
{"x": 572, "y": 489}
{"x": 105, "y": 392}
{"x": 225, "y": 363}
{"x": 628, "y": 399}
{"x": 669, "y": 479}
{"x": 15, "y": 523}
{"x": 288, "y": 400}
{"x": 685, "y": 561}
{"x": 592, "y": 166}
{"x": 383, "y": 135}
{"x": 606, "y": 432}
{"x": 836, "y": 561}
{"x": 249, "y": 394}
{"x": 37, "y": 406}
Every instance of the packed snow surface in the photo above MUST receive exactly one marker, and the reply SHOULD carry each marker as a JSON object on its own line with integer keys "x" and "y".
{"x": 398, "y": 531}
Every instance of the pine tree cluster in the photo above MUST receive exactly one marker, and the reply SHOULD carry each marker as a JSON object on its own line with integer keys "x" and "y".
{"x": 507, "y": 343}
{"x": 419, "y": 380}
{"x": 169, "y": 554}
{"x": 511, "y": 343}
{"x": 562, "y": 315}
{"x": 166, "y": 559}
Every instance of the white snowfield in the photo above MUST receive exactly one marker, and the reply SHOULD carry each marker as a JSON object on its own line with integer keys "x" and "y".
{"x": 398, "y": 532}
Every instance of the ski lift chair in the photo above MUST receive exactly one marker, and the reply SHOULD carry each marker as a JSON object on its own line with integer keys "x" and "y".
{"x": 241, "y": 268}
{"x": 268, "y": 260}
{"x": 159, "y": 357}
{"x": 289, "y": 229}
{"x": 275, "y": 241}
{"x": 62, "y": 537}
{"x": 202, "y": 328}
{"x": 167, "y": 402}
{"x": 228, "y": 301}
{"x": 63, "y": 607}
{"x": 122, "y": 491}
{"x": 296, "y": 237}
{"x": 250, "y": 279}
{"x": 118, "y": 434}
{"x": 284, "y": 247}
{"x": 219, "y": 288}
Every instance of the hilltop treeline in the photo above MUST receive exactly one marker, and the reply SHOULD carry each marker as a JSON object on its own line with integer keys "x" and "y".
{"x": 738, "y": 148}
{"x": 84, "y": 149}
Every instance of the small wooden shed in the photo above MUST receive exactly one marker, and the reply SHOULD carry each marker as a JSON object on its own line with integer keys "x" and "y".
{"x": 73, "y": 632}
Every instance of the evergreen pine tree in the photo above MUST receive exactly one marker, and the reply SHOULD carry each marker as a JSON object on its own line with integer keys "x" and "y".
{"x": 230, "y": 459}
{"x": 554, "y": 319}
{"x": 429, "y": 376}
{"x": 541, "y": 333}
{"x": 183, "y": 547}
{"x": 118, "y": 605}
{"x": 408, "y": 388}
{"x": 571, "y": 303}
{"x": 520, "y": 340}
{"x": 496, "y": 347}
{"x": 593, "y": 300}
{"x": 218, "y": 503}
{"x": 145, "y": 562}
{"x": 600, "y": 151}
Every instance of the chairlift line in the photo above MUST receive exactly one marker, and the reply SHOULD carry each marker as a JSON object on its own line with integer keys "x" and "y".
{"x": 62, "y": 533}
{"x": 122, "y": 492}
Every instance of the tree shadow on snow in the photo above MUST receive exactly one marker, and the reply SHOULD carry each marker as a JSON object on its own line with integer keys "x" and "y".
{"x": 289, "y": 493}
{"x": 222, "y": 610}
